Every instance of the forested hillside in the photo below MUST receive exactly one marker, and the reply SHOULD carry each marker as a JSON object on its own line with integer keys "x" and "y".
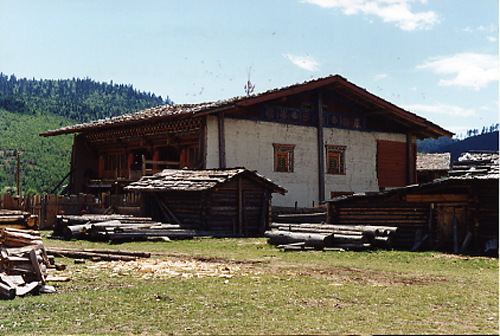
{"x": 29, "y": 107}
{"x": 487, "y": 140}
{"x": 78, "y": 99}
{"x": 44, "y": 161}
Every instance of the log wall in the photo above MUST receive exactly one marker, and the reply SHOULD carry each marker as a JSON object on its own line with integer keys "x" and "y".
{"x": 240, "y": 207}
{"x": 440, "y": 218}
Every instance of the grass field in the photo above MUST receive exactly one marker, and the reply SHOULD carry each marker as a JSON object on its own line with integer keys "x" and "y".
{"x": 244, "y": 286}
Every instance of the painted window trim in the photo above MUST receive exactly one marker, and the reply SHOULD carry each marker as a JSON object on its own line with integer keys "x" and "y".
{"x": 285, "y": 151}
{"x": 335, "y": 152}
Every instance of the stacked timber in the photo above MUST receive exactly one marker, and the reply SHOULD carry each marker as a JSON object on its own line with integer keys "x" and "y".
{"x": 299, "y": 215}
{"x": 18, "y": 219}
{"x": 98, "y": 254}
{"x": 121, "y": 228}
{"x": 23, "y": 263}
{"x": 291, "y": 236}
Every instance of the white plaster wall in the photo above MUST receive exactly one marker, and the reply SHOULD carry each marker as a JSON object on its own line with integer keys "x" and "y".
{"x": 249, "y": 144}
{"x": 360, "y": 159}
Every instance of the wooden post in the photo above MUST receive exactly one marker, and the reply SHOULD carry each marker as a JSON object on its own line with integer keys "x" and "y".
{"x": 240, "y": 206}
{"x": 410, "y": 161}
{"x": 431, "y": 211}
{"x": 265, "y": 201}
{"x": 202, "y": 143}
{"x": 222, "y": 141}
{"x": 455, "y": 235}
{"x": 18, "y": 175}
{"x": 321, "y": 150}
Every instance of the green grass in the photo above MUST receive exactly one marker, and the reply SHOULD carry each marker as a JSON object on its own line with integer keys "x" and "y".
{"x": 270, "y": 292}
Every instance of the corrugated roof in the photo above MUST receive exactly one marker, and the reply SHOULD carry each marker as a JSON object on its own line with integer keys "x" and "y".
{"x": 434, "y": 161}
{"x": 349, "y": 92}
{"x": 195, "y": 180}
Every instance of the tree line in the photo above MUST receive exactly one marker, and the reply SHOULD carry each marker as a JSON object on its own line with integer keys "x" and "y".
{"x": 81, "y": 100}
{"x": 29, "y": 107}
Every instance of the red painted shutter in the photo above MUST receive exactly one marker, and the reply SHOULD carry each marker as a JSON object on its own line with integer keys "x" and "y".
{"x": 391, "y": 163}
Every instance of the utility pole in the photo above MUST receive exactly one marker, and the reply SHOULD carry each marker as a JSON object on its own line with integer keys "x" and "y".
{"x": 18, "y": 175}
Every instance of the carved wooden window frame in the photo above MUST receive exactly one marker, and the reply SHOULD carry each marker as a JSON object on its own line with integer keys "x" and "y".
{"x": 335, "y": 159}
{"x": 283, "y": 158}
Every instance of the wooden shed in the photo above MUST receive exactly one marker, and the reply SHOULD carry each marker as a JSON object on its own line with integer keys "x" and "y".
{"x": 227, "y": 201}
{"x": 432, "y": 166}
{"x": 455, "y": 214}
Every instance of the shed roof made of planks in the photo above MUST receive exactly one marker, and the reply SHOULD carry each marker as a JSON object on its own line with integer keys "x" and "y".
{"x": 197, "y": 180}
{"x": 342, "y": 88}
{"x": 434, "y": 161}
{"x": 470, "y": 167}
{"x": 476, "y": 165}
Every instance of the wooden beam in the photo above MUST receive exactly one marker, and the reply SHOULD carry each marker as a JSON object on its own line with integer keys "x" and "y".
{"x": 202, "y": 144}
{"x": 321, "y": 150}
{"x": 240, "y": 206}
{"x": 437, "y": 198}
{"x": 222, "y": 141}
{"x": 410, "y": 159}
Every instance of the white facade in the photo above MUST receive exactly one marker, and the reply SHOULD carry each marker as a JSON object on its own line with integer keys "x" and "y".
{"x": 249, "y": 144}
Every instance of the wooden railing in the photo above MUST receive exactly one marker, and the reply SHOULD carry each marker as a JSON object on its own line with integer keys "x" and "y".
{"x": 150, "y": 171}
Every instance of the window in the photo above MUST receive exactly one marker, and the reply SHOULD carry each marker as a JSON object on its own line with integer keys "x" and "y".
{"x": 335, "y": 159}
{"x": 283, "y": 158}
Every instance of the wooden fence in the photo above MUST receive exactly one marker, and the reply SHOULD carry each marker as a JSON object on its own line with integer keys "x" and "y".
{"x": 47, "y": 206}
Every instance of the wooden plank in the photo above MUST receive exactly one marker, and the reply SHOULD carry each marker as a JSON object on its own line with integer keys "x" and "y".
{"x": 222, "y": 141}
{"x": 437, "y": 198}
{"x": 321, "y": 150}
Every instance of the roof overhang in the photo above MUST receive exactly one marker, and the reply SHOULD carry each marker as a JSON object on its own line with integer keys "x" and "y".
{"x": 368, "y": 103}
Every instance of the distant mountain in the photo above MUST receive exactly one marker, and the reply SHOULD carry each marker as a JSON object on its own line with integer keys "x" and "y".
{"x": 79, "y": 99}
{"x": 487, "y": 142}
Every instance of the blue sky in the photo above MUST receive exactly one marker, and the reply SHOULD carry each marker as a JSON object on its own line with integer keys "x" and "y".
{"x": 436, "y": 58}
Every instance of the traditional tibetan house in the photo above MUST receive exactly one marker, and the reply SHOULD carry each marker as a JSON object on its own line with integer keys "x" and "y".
{"x": 432, "y": 166}
{"x": 231, "y": 201}
{"x": 455, "y": 214}
{"x": 318, "y": 139}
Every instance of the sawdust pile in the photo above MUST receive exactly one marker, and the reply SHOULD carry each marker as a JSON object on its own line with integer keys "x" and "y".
{"x": 161, "y": 268}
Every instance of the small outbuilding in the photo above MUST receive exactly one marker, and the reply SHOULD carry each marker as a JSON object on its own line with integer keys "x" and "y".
{"x": 227, "y": 201}
{"x": 454, "y": 214}
{"x": 432, "y": 166}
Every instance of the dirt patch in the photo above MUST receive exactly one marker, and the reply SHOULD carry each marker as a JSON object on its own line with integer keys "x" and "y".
{"x": 177, "y": 265}
{"x": 340, "y": 275}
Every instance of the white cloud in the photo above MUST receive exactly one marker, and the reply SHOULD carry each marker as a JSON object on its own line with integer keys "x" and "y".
{"x": 491, "y": 38}
{"x": 306, "y": 62}
{"x": 470, "y": 69}
{"x": 393, "y": 11}
{"x": 441, "y": 109}
{"x": 380, "y": 77}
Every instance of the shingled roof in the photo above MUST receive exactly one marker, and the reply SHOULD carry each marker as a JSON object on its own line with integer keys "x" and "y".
{"x": 348, "y": 91}
{"x": 434, "y": 161}
{"x": 476, "y": 165}
{"x": 196, "y": 180}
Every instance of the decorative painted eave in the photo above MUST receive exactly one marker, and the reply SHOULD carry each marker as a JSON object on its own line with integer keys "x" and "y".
{"x": 419, "y": 126}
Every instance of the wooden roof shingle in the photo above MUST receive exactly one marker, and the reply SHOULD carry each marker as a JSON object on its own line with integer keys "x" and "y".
{"x": 187, "y": 180}
{"x": 434, "y": 161}
{"x": 348, "y": 91}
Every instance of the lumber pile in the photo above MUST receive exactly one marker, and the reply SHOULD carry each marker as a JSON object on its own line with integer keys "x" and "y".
{"x": 120, "y": 228}
{"x": 97, "y": 254}
{"x": 23, "y": 263}
{"x": 293, "y": 236}
{"x": 18, "y": 219}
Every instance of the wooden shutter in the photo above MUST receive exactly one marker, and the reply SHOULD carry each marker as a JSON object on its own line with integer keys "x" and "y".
{"x": 391, "y": 163}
